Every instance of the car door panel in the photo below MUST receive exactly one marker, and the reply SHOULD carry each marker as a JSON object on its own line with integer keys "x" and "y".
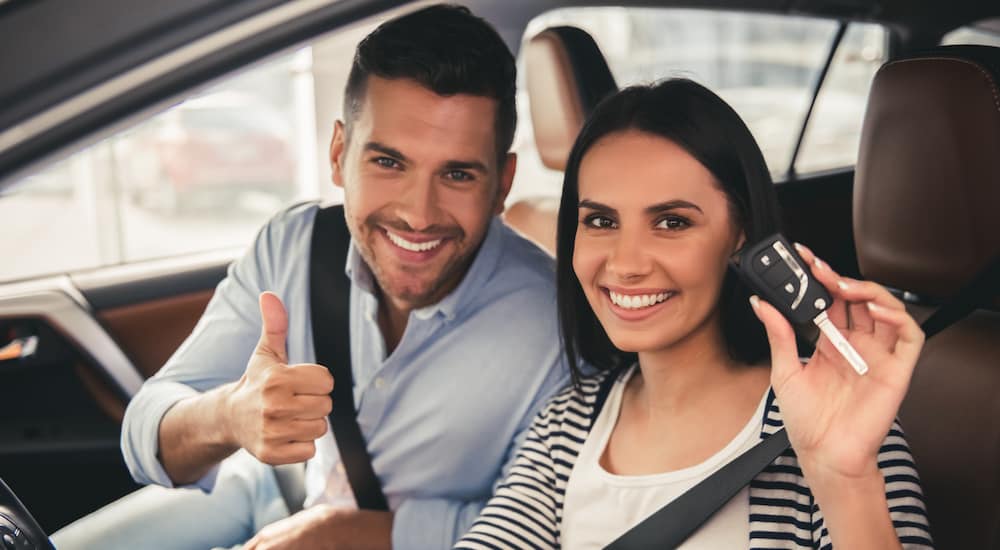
{"x": 149, "y": 332}
{"x": 99, "y": 335}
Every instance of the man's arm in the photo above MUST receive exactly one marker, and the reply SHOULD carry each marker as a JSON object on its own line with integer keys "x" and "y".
{"x": 193, "y": 436}
{"x": 182, "y": 418}
{"x": 275, "y": 410}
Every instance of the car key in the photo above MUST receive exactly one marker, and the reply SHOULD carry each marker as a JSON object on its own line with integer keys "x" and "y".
{"x": 775, "y": 271}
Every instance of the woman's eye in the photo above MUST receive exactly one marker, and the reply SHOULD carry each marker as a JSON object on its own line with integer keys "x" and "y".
{"x": 673, "y": 223}
{"x": 599, "y": 222}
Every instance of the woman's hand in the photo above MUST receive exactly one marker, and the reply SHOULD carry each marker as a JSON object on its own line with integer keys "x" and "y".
{"x": 837, "y": 419}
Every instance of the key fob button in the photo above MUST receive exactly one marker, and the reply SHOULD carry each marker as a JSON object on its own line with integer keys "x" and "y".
{"x": 789, "y": 290}
{"x": 764, "y": 261}
{"x": 776, "y": 276}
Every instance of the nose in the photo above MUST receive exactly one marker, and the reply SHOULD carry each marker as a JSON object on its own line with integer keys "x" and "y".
{"x": 418, "y": 204}
{"x": 627, "y": 260}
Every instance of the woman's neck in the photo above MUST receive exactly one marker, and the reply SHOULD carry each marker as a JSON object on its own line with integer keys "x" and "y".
{"x": 691, "y": 392}
{"x": 694, "y": 373}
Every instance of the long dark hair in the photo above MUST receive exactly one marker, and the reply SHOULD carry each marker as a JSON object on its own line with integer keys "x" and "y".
{"x": 699, "y": 121}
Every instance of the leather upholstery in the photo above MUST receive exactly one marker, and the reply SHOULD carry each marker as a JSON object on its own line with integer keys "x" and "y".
{"x": 926, "y": 196}
{"x": 149, "y": 332}
{"x": 927, "y": 186}
{"x": 567, "y": 76}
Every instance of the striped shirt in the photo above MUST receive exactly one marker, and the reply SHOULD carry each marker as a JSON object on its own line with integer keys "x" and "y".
{"x": 526, "y": 509}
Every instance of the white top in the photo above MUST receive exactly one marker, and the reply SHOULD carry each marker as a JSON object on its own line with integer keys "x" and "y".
{"x": 601, "y": 506}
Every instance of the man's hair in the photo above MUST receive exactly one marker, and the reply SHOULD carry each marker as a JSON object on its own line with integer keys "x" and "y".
{"x": 447, "y": 50}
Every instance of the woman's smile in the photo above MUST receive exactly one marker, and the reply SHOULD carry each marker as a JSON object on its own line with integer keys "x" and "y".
{"x": 636, "y": 304}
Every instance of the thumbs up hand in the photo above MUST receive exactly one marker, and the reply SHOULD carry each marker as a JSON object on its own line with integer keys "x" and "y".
{"x": 276, "y": 411}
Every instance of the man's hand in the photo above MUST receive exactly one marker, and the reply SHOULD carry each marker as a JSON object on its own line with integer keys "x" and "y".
{"x": 323, "y": 527}
{"x": 276, "y": 411}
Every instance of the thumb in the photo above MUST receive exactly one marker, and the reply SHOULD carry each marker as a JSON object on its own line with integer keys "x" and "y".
{"x": 274, "y": 326}
{"x": 781, "y": 338}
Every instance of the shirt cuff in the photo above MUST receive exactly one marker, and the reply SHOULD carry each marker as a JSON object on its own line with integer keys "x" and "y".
{"x": 432, "y": 523}
{"x": 141, "y": 434}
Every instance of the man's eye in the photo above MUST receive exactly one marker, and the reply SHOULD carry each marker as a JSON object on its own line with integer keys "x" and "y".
{"x": 599, "y": 222}
{"x": 459, "y": 175}
{"x": 386, "y": 162}
{"x": 673, "y": 223}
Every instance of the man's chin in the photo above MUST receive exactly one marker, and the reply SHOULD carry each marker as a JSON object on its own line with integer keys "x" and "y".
{"x": 412, "y": 299}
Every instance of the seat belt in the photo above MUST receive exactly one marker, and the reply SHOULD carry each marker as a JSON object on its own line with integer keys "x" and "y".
{"x": 330, "y": 293}
{"x": 672, "y": 524}
{"x": 330, "y": 296}
{"x": 291, "y": 480}
{"x": 966, "y": 301}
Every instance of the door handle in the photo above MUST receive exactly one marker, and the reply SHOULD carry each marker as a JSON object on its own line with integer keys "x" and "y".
{"x": 20, "y": 348}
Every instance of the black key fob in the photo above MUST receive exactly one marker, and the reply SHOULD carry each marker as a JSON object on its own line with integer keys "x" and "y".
{"x": 774, "y": 271}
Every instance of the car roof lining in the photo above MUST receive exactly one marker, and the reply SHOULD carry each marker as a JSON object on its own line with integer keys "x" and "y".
{"x": 23, "y": 97}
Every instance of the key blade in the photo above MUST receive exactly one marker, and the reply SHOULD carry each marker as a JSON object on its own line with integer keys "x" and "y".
{"x": 843, "y": 346}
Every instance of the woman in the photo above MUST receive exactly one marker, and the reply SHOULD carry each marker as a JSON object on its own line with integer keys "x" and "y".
{"x": 664, "y": 184}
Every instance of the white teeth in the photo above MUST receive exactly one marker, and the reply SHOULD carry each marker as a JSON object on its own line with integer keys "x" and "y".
{"x": 412, "y": 246}
{"x": 638, "y": 301}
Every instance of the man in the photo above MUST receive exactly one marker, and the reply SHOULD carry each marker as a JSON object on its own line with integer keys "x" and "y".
{"x": 453, "y": 332}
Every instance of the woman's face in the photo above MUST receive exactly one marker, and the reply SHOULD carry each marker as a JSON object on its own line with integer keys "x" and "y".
{"x": 653, "y": 241}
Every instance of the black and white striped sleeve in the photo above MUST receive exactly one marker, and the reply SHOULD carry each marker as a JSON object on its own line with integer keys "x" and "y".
{"x": 902, "y": 491}
{"x": 523, "y": 511}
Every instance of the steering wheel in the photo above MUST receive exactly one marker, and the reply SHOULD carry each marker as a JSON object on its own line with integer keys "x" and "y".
{"x": 18, "y": 530}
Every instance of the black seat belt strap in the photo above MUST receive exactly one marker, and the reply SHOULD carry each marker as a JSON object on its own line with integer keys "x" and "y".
{"x": 330, "y": 295}
{"x": 672, "y": 524}
{"x": 966, "y": 301}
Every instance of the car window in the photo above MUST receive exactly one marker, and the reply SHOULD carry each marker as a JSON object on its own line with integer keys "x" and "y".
{"x": 833, "y": 134}
{"x": 203, "y": 174}
{"x": 765, "y": 66}
{"x": 988, "y": 34}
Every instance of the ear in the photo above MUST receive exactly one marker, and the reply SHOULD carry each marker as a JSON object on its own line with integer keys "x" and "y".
{"x": 741, "y": 240}
{"x": 506, "y": 180}
{"x": 338, "y": 151}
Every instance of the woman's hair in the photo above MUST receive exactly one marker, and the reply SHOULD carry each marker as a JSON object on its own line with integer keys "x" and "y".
{"x": 704, "y": 125}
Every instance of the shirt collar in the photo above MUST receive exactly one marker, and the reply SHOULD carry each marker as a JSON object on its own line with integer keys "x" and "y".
{"x": 468, "y": 289}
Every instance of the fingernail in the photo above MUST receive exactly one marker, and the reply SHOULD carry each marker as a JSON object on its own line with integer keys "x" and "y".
{"x": 754, "y": 301}
{"x": 799, "y": 247}
{"x": 872, "y": 306}
{"x": 843, "y": 286}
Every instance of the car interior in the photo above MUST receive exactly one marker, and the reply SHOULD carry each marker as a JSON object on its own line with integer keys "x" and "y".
{"x": 914, "y": 211}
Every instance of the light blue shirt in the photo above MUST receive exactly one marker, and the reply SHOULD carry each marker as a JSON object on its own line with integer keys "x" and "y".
{"x": 442, "y": 415}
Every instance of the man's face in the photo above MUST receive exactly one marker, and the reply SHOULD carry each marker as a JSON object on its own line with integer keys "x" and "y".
{"x": 421, "y": 183}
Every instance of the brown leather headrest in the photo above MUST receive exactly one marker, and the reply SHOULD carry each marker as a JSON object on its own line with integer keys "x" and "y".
{"x": 927, "y": 186}
{"x": 567, "y": 77}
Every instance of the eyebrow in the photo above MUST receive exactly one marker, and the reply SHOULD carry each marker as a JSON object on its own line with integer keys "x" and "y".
{"x": 654, "y": 209}
{"x": 385, "y": 150}
{"x": 474, "y": 165}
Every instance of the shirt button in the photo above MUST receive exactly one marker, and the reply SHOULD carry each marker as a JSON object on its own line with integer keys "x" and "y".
{"x": 379, "y": 383}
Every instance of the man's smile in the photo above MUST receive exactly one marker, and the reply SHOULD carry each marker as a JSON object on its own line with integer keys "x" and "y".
{"x": 412, "y": 246}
